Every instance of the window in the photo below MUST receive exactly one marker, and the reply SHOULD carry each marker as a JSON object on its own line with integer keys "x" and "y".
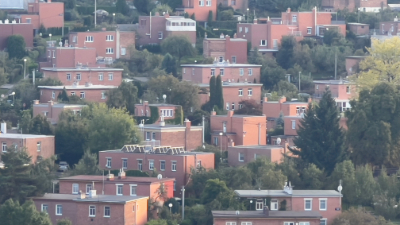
{"x": 54, "y": 54}
{"x": 201, "y": 3}
{"x": 120, "y": 188}
{"x": 317, "y": 87}
{"x": 45, "y": 208}
{"x": 275, "y": 43}
{"x": 230, "y": 223}
{"x": 109, "y": 51}
{"x": 246, "y": 30}
{"x": 107, "y": 211}
{"x": 224, "y": 127}
{"x": 125, "y": 163}
{"x": 167, "y": 112}
{"x": 208, "y": 2}
{"x": 123, "y": 51}
{"x": 246, "y": 223}
{"x": 53, "y": 95}
{"x": 227, "y": 106}
{"x": 233, "y": 106}
{"x": 240, "y": 92}
{"x": 68, "y": 76}
{"x": 212, "y": 72}
{"x": 72, "y": 93}
{"x": 259, "y": 205}
{"x": 293, "y": 124}
{"x": 221, "y": 59}
{"x": 58, "y": 210}
{"x": 49, "y": 54}
{"x": 198, "y": 164}
{"x": 221, "y": 72}
{"x": 140, "y": 165}
{"x": 322, "y": 204}
{"x": 241, "y": 71}
{"x": 151, "y": 164}
{"x": 39, "y": 146}
{"x": 82, "y": 94}
{"x": 108, "y": 165}
{"x": 173, "y": 166}
{"x": 110, "y": 38}
{"x": 308, "y": 204}
{"x": 103, "y": 95}
{"x": 241, "y": 157}
{"x": 233, "y": 2}
{"x": 215, "y": 140}
{"x": 133, "y": 189}
{"x": 193, "y": 71}
{"x": 75, "y": 188}
{"x": 323, "y": 221}
{"x": 263, "y": 43}
{"x": 162, "y": 165}
{"x": 74, "y": 39}
{"x": 92, "y": 211}
{"x": 250, "y": 72}
{"x": 28, "y": 20}
{"x": 309, "y": 30}
{"x": 148, "y": 136}
{"x": 274, "y": 204}
{"x": 294, "y": 18}
{"x": 348, "y": 91}
{"x": 110, "y": 76}
{"x": 250, "y": 92}
{"x": 234, "y": 59}
{"x": 101, "y": 76}
{"x": 240, "y": 29}
{"x": 160, "y": 35}
{"x": 240, "y": 106}
{"x": 288, "y": 223}
{"x": 4, "y": 147}
{"x": 78, "y": 76}
{"x": 89, "y": 39}
{"x": 304, "y": 223}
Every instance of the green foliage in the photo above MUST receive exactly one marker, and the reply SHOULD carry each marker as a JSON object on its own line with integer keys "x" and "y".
{"x": 69, "y": 4}
{"x": 131, "y": 173}
{"x": 40, "y": 125}
{"x": 169, "y": 64}
{"x": 125, "y": 96}
{"x": 271, "y": 74}
{"x": 161, "y": 9}
{"x": 64, "y": 222}
{"x": 356, "y": 217}
{"x": 179, "y": 116}
{"x": 144, "y": 6}
{"x": 87, "y": 165}
{"x": 12, "y": 213}
{"x": 284, "y": 57}
{"x": 250, "y": 107}
{"x": 282, "y": 205}
{"x": 213, "y": 92}
{"x": 284, "y": 88}
{"x": 88, "y": 10}
{"x": 320, "y": 137}
{"x": 210, "y": 16}
{"x": 313, "y": 178}
{"x": 157, "y": 222}
{"x": 16, "y": 46}
{"x": 144, "y": 62}
{"x": 63, "y": 96}
{"x": 122, "y": 7}
{"x": 219, "y": 96}
{"x": 178, "y": 46}
{"x": 154, "y": 114}
{"x": 219, "y": 157}
{"x": 331, "y": 36}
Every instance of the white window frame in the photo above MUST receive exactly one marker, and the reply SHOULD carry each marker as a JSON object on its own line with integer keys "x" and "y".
{"x": 140, "y": 164}
{"x": 72, "y": 93}
{"x": 110, "y": 38}
{"x": 117, "y": 186}
{"x": 241, "y": 71}
{"x": 250, "y": 92}
{"x": 294, "y": 18}
{"x": 305, "y": 204}
{"x": 240, "y": 92}
{"x": 54, "y": 54}
{"x": 240, "y": 29}
{"x": 216, "y": 140}
{"x": 275, "y": 203}
{"x": 212, "y": 72}
{"x": 82, "y": 95}
{"x": 160, "y": 35}
{"x": 230, "y": 223}
{"x": 246, "y": 223}
{"x": 68, "y": 76}
{"x": 61, "y": 209}
{"x": 4, "y": 147}
{"x": 89, "y": 189}
{"x": 78, "y": 76}
{"x": 201, "y": 2}
{"x": 293, "y": 124}
{"x": 110, "y": 76}
{"x": 103, "y": 95}
{"x": 92, "y": 211}
{"x": 304, "y": 223}
{"x": 161, "y": 163}
{"x": 233, "y": 106}
{"x": 173, "y": 165}
{"x": 109, "y": 211}
{"x": 101, "y": 76}
{"x": 288, "y": 223}
{"x": 325, "y": 221}
{"x": 263, "y": 44}
{"x": 309, "y": 30}
{"x": 151, "y": 164}
{"x": 130, "y": 189}
{"x": 239, "y": 158}
{"x": 208, "y": 2}
{"x": 28, "y": 20}
{"x": 259, "y": 205}
{"x": 234, "y": 59}
{"x": 123, "y": 51}
{"x": 53, "y": 94}
{"x": 125, "y": 163}
{"x": 39, "y": 146}
{"x": 108, "y": 162}
{"x": 222, "y": 72}
{"x": 75, "y": 188}
{"x": 348, "y": 89}
{"x": 250, "y": 71}
{"x": 326, "y": 204}
{"x": 47, "y": 208}
{"x": 109, "y": 51}
{"x": 89, "y": 39}
{"x": 227, "y": 106}
{"x": 246, "y": 30}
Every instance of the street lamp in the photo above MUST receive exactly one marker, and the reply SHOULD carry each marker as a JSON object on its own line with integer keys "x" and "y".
{"x": 251, "y": 202}
{"x": 170, "y": 206}
{"x": 164, "y": 96}
{"x": 24, "y": 69}
{"x": 220, "y": 140}
{"x": 247, "y": 18}
{"x": 113, "y": 17}
{"x": 13, "y": 94}
{"x": 50, "y": 36}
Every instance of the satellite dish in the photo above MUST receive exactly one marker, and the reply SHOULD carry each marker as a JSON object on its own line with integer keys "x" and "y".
{"x": 159, "y": 176}
{"x": 278, "y": 141}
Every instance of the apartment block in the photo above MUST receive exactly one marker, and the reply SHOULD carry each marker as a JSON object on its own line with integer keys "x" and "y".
{"x": 186, "y": 136}
{"x": 353, "y": 64}
{"x": 229, "y": 130}
{"x": 325, "y": 205}
{"x": 359, "y": 28}
{"x": 353, "y": 5}
{"x": 52, "y": 110}
{"x": 69, "y": 57}
{"x": 154, "y": 29}
{"x": 83, "y": 74}
{"x": 240, "y": 155}
{"x": 117, "y": 186}
{"x": 109, "y": 45}
{"x": 199, "y": 9}
{"x": 167, "y": 111}
{"x": 9, "y": 28}
{"x": 49, "y": 14}
{"x": 94, "y": 209}
{"x": 342, "y": 91}
{"x": 226, "y": 48}
{"x": 168, "y": 161}
{"x": 39, "y": 147}
{"x": 88, "y": 92}
{"x": 230, "y": 72}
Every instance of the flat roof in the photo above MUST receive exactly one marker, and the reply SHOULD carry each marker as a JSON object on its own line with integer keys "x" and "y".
{"x": 59, "y": 105}
{"x": 257, "y": 146}
{"x": 78, "y": 87}
{"x": 220, "y": 65}
{"x": 227, "y": 84}
{"x": 149, "y": 153}
{"x": 239, "y": 115}
{"x": 69, "y": 47}
{"x": 281, "y": 193}
{"x": 179, "y": 19}
{"x": 116, "y": 179}
{"x": 363, "y": 24}
{"x": 99, "y": 69}
{"x": 19, "y": 136}
{"x": 97, "y": 198}
{"x": 168, "y": 126}
{"x": 331, "y": 82}
{"x": 223, "y": 39}
{"x": 157, "y": 104}
{"x": 260, "y": 214}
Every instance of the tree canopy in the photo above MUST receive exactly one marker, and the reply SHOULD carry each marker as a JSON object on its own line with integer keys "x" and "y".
{"x": 16, "y": 46}
{"x": 178, "y": 46}
{"x": 12, "y": 213}
{"x": 125, "y": 96}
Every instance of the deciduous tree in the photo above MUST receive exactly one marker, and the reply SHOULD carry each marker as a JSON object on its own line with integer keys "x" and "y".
{"x": 12, "y": 213}
{"x": 356, "y": 217}
{"x": 16, "y": 46}
{"x": 125, "y": 96}
{"x": 178, "y": 46}
{"x": 249, "y": 107}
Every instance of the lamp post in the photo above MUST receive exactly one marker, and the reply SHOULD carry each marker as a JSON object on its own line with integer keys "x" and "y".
{"x": 164, "y": 96}
{"x": 50, "y": 36}
{"x": 183, "y": 202}
{"x": 24, "y": 69}
{"x": 13, "y": 94}
{"x": 247, "y": 18}
{"x": 251, "y": 202}
{"x": 170, "y": 206}
{"x": 220, "y": 141}
{"x": 299, "y": 80}
{"x": 113, "y": 18}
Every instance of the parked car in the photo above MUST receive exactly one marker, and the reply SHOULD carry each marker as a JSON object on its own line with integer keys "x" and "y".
{"x": 63, "y": 166}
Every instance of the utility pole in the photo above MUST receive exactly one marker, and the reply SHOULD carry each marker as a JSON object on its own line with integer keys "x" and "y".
{"x": 203, "y": 130}
{"x": 335, "y": 63}
{"x": 299, "y": 80}
{"x": 33, "y": 77}
{"x": 183, "y": 202}
{"x": 95, "y": 15}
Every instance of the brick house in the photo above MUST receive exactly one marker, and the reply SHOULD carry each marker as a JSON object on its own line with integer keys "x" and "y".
{"x": 94, "y": 209}
{"x": 89, "y": 92}
{"x": 226, "y": 48}
{"x": 352, "y": 64}
{"x": 170, "y": 162}
{"x": 266, "y": 34}
{"x": 154, "y": 29}
{"x": 389, "y": 27}
{"x": 50, "y": 14}
{"x": 327, "y": 203}
{"x": 14, "y": 28}
{"x": 359, "y": 28}
{"x": 228, "y": 130}
{"x": 52, "y": 110}
{"x": 108, "y": 44}
{"x": 69, "y": 57}
{"x": 186, "y": 136}
{"x": 168, "y": 111}
{"x": 342, "y": 91}
{"x": 93, "y": 75}
{"x": 237, "y": 5}
{"x": 242, "y": 154}
{"x": 235, "y": 73}
{"x": 353, "y": 5}
{"x": 118, "y": 186}
{"x": 200, "y": 9}
{"x": 37, "y": 146}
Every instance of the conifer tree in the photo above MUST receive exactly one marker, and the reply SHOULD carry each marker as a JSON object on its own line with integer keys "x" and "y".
{"x": 169, "y": 64}
{"x": 219, "y": 97}
{"x": 320, "y": 137}
{"x": 212, "y": 101}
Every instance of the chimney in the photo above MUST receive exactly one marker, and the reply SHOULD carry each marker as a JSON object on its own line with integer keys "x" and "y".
{"x": 188, "y": 124}
{"x": 227, "y": 38}
{"x": 110, "y": 176}
{"x": 162, "y": 122}
{"x": 103, "y": 29}
{"x": 230, "y": 113}
{"x": 121, "y": 174}
{"x": 35, "y": 102}
{"x": 255, "y": 21}
{"x": 265, "y": 99}
{"x": 213, "y": 113}
{"x": 82, "y": 195}
{"x": 266, "y": 210}
{"x": 166, "y": 15}
{"x": 92, "y": 193}
{"x": 309, "y": 100}
{"x": 288, "y": 10}
{"x": 4, "y": 128}
{"x": 231, "y": 143}
{"x": 48, "y": 1}
{"x": 234, "y": 35}
{"x": 51, "y": 103}
{"x": 145, "y": 103}
{"x": 282, "y": 99}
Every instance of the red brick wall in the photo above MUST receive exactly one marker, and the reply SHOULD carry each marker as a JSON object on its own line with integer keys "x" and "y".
{"x": 231, "y": 94}
{"x": 201, "y": 12}
{"x": 126, "y": 40}
{"x": 373, "y": 3}
{"x": 35, "y": 20}
{"x": 70, "y": 57}
{"x": 275, "y": 154}
{"x": 139, "y": 216}
{"x": 339, "y": 92}
{"x": 256, "y": 33}
{"x": 158, "y": 23}
{"x": 25, "y": 30}
{"x": 361, "y": 29}
{"x": 69, "y": 209}
{"x": 203, "y": 74}
{"x": 51, "y": 14}
{"x": 288, "y": 125}
{"x": 117, "y": 213}
{"x": 86, "y": 76}
{"x": 238, "y": 49}
{"x": 92, "y": 95}
{"x": 147, "y": 112}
